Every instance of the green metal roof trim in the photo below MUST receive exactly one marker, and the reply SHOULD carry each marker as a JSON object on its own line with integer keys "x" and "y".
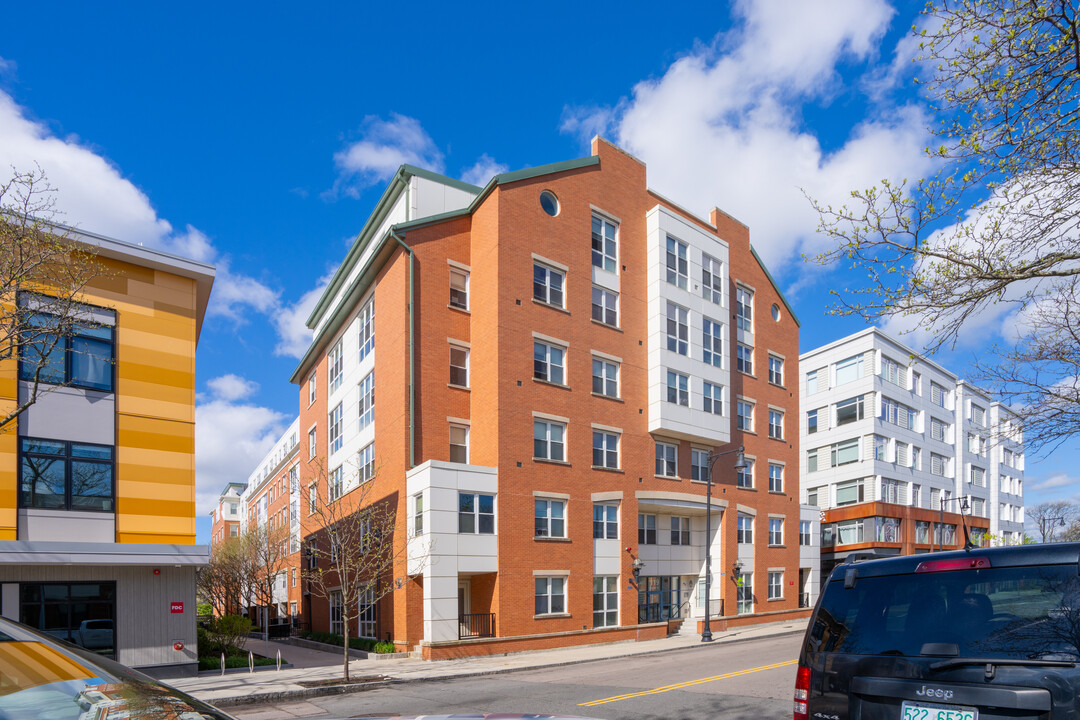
{"x": 777, "y": 287}
{"x": 514, "y": 176}
{"x": 393, "y": 190}
{"x": 433, "y": 219}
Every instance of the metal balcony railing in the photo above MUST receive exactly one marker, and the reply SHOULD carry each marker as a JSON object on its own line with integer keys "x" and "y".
{"x": 476, "y": 625}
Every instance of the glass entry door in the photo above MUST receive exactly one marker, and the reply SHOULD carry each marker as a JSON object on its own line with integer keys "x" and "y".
{"x": 659, "y": 598}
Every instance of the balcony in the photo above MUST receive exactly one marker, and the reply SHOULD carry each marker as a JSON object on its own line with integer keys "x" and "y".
{"x": 476, "y": 625}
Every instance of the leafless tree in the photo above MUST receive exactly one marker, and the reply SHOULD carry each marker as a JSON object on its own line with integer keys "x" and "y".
{"x": 353, "y": 543}
{"x": 997, "y": 222}
{"x": 267, "y": 554}
{"x": 43, "y": 273}
{"x": 1049, "y": 516}
{"x": 223, "y": 580}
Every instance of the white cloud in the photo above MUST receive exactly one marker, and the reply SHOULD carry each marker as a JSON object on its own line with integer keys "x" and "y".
{"x": 230, "y": 440}
{"x": 723, "y": 127}
{"x": 384, "y": 146}
{"x": 1057, "y": 480}
{"x": 232, "y": 387}
{"x": 93, "y": 195}
{"x": 290, "y": 322}
{"x": 483, "y": 170}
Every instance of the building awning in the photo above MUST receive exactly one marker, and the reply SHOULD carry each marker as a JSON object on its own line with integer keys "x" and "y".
{"x": 21, "y": 552}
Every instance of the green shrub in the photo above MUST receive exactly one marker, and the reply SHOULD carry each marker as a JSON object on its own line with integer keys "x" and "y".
{"x": 366, "y": 644}
{"x": 385, "y": 647}
{"x": 204, "y": 609}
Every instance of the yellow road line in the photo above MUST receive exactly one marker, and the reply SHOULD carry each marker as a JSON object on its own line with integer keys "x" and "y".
{"x": 688, "y": 683}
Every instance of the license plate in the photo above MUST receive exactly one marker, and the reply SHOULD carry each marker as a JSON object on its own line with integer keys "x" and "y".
{"x": 926, "y": 711}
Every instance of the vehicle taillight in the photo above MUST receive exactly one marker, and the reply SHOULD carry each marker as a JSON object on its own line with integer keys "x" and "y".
{"x": 802, "y": 692}
{"x": 957, "y": 564}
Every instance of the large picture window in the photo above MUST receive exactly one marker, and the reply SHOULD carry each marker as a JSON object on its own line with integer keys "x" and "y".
{"x": 80, "y": 613}
{"x": 79, "y": 354}
{"x": 65, "y": 475}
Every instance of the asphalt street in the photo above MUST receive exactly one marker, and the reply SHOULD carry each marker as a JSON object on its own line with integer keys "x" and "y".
{"x": 751, "y": 680}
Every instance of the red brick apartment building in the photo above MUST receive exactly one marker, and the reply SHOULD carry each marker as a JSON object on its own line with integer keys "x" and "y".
{"x": 555, "y": 355}
{"x": 225, "y": 516}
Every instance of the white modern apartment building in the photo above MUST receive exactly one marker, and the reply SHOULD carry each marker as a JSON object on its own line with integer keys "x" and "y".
{"x": 896, "y": 446}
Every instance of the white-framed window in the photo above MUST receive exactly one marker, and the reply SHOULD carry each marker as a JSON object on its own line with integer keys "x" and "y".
{"x": 605, "y": 306}
{"x": 336, "y": 626}
{"x": 849, "y": 369}
{"x": 667, "y": 464}
{"x": 548, "y": 285}
{"x": 978, "y": 507}
{"x": 939, "y": 430}
{"x": 897, "y": 413}
{"x": 675, "y": 260}
{"x": 550, "y": 595}
{"x": 293, "y": 605}
{"x": 334, "y": 365}
{"x": 776, "y": 478}
{"x": 978, "y": 415}
{"x": 744, "y": 594}
{"x": 459, "y": 366}
{"x": 775, "y": 531}
{"x": 699, "y": 465}
{"x": 313, "y": 444}
{"x": 849, "y": 492}
{"x": 892, "y": 491}
{"x": 418, "y": 514}
{"x": 776, "y": 424}
{"x": 336, "y": 483}
{"x": 744, "y": 309}
{"x": 335, "y": 428}
{"x": 844, "y": 452}
{"x": 916, "y": 495}
{"x": 549, "y": 440}
{"x": 605, "y": 449}
{"x": 459, "y": 443}
{"x": 850, "y": 410}
{"x": 712, "y": 279}
{"x": 939, "y": 465}
{"x": 805, "y": 538}
{"x": 550, "y": 518}
{"x": 977, "y": 476}
{"x": 881, "y": 447}
{"x": 893, "y": 372}
{"x": 744, "y": 415}
{"x": 678, "y": 388}
{"x": 604, "y": 244}
{"x": 712, "y": 342}
{"x": 459, "y": 289}
{"x": 605, "y": 377}
{"x": 812, "y": 382}
{"x": 680, "y": 530}
{"x": 745, "y": 529}
{"x": 916, "y": 383}
{"x": 367, "y": 328}
{"x": 366, "y": 614}
{"x": 744, "y": 477}
{"x": 367, "y": 400}
{"x": 476, "y": 513}
{"x": 976, "y": 444}
{"x": 549, "y": 362}
{"x": 605, "y": 600}
{"x": 744, "y": 358}
{"x": 313, "y": 498}
{"x": 776, "y": 370}
{"x": 365, "y": 461}
{"x": 937, "y": 394}
{"x": 605, "y": 521}
{"x": 646, "y": 529}
{"x": 776, "y": 586}
{"x": 712, "y": 398}
{"x": 812, "y": 422}
{"x": 312, "y": 387}
{"x": 678, "y": 329}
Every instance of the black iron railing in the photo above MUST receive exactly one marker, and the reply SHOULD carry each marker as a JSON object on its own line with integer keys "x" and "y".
{"x": 804, "y": 600}
{"x": 476, "y": 625}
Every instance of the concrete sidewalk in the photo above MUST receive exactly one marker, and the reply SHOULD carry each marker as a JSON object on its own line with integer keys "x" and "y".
{"x": 280, "y": 686}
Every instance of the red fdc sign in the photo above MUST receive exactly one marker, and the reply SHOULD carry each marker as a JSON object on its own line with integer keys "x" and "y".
{"x": 176, "y": 607}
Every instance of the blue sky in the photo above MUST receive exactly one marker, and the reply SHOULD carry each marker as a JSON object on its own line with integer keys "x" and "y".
{"x": 259, "y": 136}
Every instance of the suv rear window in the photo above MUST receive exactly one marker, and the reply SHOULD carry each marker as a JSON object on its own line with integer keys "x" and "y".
{"x": 1005, "y": 612}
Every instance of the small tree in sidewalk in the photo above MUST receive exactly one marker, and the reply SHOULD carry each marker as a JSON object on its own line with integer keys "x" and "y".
{"x": 267, "y": 558}
{"x": 223, "y": 581}
{"x": 352, "y": 542}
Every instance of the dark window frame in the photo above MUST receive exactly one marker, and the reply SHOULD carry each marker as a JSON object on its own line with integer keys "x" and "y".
{"x": 67, "y": 457}
{"x": 28, "y": 369}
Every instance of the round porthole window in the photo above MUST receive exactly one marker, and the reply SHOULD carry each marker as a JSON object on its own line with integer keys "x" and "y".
{"x": 776, "y": 312}
{"x": 549, "y": 202}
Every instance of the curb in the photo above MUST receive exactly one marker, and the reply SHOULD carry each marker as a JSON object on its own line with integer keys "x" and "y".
{"x": 269, "y": 697}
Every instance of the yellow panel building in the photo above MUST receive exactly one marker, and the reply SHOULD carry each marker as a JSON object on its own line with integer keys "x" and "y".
{"x": 97, "y": 477}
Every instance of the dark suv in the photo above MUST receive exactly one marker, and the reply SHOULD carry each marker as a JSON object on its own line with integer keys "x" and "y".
{"x": 967, "y": 635}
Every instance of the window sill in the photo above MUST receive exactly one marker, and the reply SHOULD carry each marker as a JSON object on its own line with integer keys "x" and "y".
{"x": 779, "y": 439}
{"x": 608, "y": 397}
{"x": 561, "y": 386}
{"x": 745, "y": 432}
{"x": 667, "y": 477}
{"x": 747, "y": 488}
{"x": 778, "y": 385}
{"x": 777, "y": 546}
{"x": 459, "y": 309}
{"x": 545, "y": 538}
{"x": 457, "y": 387}
{"x": 777, "y": 492}
{"x": 779, "y": 599}
{"x": 545, "y": 616}
{"x": 551, "y": 462}
{"x": 601, "y": 468}
{"x": 616, "y": 328}
{"x": 541, "y": 303}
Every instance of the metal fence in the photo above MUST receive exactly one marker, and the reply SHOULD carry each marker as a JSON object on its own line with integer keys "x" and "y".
{"x": 476, "y": 625}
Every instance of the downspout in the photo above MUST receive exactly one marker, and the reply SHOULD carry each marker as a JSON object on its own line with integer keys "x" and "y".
{"x": 412, "y": 354}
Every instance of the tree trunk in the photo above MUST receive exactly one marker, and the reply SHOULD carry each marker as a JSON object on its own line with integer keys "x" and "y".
{"x": 345, "y": 633}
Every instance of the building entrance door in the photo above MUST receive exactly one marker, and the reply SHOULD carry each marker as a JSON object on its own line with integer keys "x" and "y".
{"x": 659, "y": 598}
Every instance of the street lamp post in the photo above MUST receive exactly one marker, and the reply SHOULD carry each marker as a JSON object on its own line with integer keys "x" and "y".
{"x": 740, "y": 464}
{"x": 941, "y": 519}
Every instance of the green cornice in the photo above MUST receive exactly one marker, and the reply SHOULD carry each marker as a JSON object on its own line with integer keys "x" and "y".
{"x": 433, "y": 219}
{"x": 441, "y": 179}
{"x": 509, "y": 177}
{"x": 776, "y": 287}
